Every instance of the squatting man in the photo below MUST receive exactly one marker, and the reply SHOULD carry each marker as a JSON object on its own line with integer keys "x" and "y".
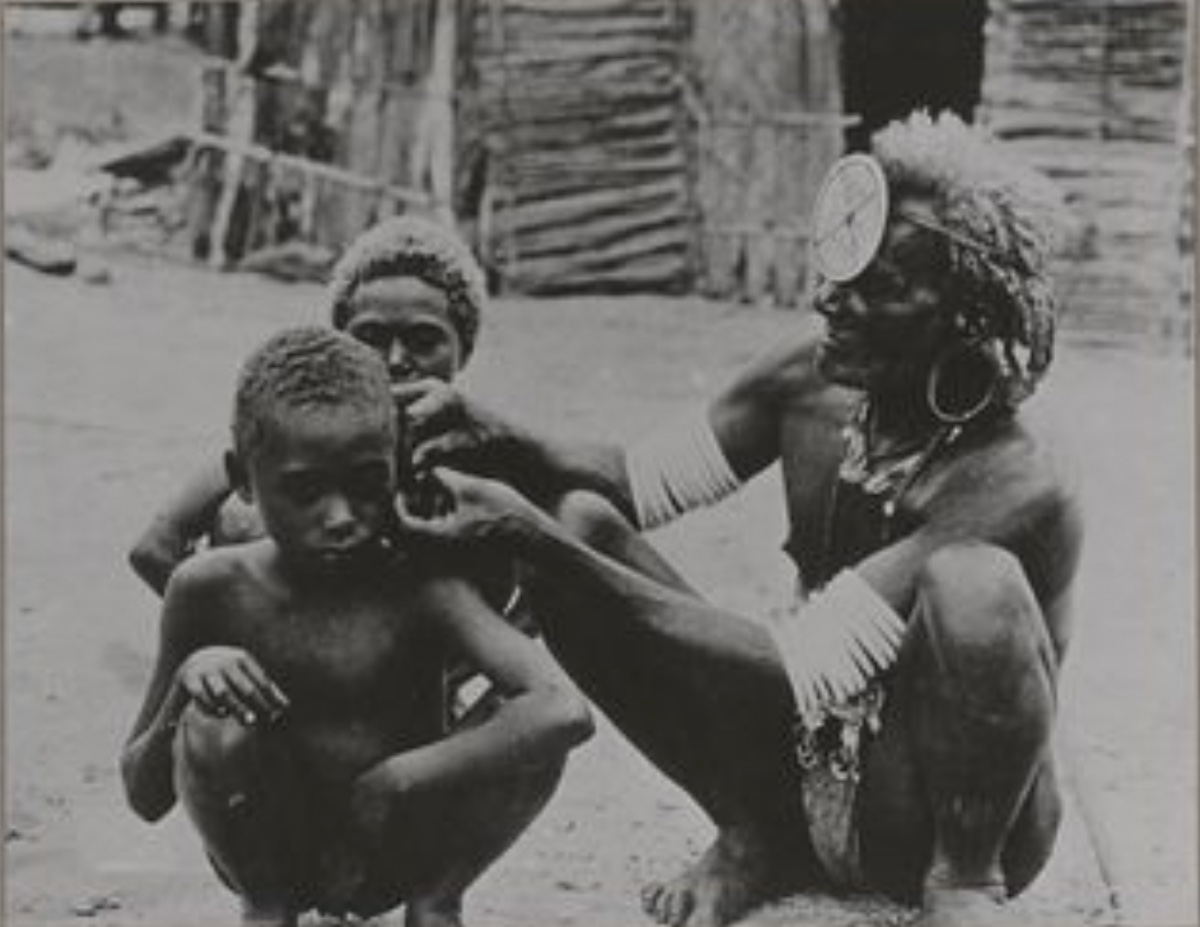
{"x": 889, "y": 731}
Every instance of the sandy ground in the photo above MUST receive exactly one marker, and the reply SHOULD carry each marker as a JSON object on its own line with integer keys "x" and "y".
{"x": 115, "y": 391}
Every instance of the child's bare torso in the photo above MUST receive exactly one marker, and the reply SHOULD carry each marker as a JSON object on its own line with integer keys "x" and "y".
{"x": 357, "y": 658}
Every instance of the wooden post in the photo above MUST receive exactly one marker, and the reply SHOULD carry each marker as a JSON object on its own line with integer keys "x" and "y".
{"x": 240, "y": 129}
{"x": 432, "y": 160}
{"x": 771, "y": 97}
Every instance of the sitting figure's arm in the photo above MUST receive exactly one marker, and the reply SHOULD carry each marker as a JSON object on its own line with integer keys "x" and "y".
{"x": 1007, "y": 496}
{"x": 682, "y": 466}
{"x": 541, "y": 718}
{"x": 171, "y": 536}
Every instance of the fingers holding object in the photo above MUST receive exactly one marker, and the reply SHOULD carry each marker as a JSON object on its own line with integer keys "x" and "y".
{"x": 442, "y": 448}
{"x": 241, "y": 690}
{"x": 425, "y": 403}
{"x": 268, "y": 696}
{"x": 252, "y": 700}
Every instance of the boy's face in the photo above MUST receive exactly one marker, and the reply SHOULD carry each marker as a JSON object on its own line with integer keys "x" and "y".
{"x": 408, "y": 322}
{"x": 323, "y": 480}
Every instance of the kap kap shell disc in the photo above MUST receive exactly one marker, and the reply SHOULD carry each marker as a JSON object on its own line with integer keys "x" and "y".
{"x": 850, "y": 217}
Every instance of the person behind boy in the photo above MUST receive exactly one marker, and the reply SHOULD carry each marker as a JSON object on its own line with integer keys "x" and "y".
{"x": 409, "y": 289}
{"x": 295, "y": 708}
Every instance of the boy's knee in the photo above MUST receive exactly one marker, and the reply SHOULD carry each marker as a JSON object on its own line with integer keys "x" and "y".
{"x": 210, "y": 746}
{"x": 592, "y": 519}
{"x": 976, "y": 596}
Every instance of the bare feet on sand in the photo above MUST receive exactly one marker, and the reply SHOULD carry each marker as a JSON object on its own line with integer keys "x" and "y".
{"x": 965, "y": 907}
{"x": 734, "y": 875}
{"x": 431, "y": 912}
{"x": 267, "y": 916}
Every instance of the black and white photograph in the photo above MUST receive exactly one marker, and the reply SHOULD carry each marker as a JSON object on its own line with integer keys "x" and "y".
{"x": 600, "y": 463}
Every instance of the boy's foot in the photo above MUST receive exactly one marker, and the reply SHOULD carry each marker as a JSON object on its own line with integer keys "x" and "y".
{"x": 733, "y": 876}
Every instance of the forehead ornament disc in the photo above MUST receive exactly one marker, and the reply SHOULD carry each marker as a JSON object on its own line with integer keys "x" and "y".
{"x": 850, "y": 217}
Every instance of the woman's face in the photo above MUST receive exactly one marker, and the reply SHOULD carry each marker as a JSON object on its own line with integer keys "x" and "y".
{"x": 408, "y": 322}
{"x": 885, "y": 327}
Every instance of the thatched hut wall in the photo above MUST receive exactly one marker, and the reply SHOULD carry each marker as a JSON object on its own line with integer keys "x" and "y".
{"x": 579, "y": 153}
{"x": 768, "y": 117}
{"x": 335, "y": 115}
{"x": 1091, "y": 92}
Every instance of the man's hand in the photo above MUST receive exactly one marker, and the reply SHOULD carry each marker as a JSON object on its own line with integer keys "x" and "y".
{"x": 445, "y": 427}
{"x": 227, "y": 680}
{"x": 473, "y": 512}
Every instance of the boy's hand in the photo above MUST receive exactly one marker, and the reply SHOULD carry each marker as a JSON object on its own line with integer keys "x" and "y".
{"x": 228, "y": 681}
{"x": 473, "y": 512}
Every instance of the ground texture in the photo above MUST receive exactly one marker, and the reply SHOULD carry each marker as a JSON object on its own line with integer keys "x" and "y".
{"x": 114, "y": 391}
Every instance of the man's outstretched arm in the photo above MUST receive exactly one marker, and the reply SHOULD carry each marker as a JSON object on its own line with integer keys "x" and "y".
{"x": 686, "y": 464}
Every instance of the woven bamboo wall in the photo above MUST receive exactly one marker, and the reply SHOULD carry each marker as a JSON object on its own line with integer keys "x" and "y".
{"x": 768, "y": 112}
{"x": 577, "y": 108}
{"x": 352, "y": 96}
{"x": 1091, "y": 92}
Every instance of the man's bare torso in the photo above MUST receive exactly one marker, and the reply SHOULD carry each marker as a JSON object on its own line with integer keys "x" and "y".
{"x": 1001, "y": 484}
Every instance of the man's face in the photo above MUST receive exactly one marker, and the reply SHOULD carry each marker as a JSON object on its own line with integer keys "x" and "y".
{"x": 885, "y": 327}
{"x": 408, "y": 322}
{"x": 323, "y": 481}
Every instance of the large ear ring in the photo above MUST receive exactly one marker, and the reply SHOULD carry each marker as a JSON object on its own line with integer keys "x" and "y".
{"x": 962, "y": 383}
{"x": 239, "y": 479}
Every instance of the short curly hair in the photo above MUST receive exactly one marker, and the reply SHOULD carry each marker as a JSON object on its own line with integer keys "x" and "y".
{"x": 1001, "y": 221}
{"x": 409, "y": 246}
{"x": 307, "y": 368}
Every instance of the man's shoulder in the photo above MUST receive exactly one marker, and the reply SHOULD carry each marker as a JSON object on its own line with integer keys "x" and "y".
{"x": 1024, "y": 452}
{"x": 1016, "y": 474}
{"x": 1014, "y": 487}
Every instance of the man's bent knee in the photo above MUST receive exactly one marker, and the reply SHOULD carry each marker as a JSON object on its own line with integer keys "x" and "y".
{"x": 975, "y": 597}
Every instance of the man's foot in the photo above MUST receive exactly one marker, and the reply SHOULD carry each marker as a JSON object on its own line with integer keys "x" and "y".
{"x": 965, "y": 907}
{"x": 734, "y": 875}
{"x": 262, "y": 915}
{"x": 431, "y": 912}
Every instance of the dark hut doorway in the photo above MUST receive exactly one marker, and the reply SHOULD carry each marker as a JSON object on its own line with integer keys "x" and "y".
{"x": 902, "y": 55}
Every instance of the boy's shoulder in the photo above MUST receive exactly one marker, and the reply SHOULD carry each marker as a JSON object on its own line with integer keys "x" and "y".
{"x": 220, "y": 569}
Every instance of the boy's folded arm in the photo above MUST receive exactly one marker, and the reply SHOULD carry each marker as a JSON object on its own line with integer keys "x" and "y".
{"x": 173, "y": 532}
{"x": 542, "y": 716}
{"x": 531, "y": 730}
{"x": 147, "y": 761}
